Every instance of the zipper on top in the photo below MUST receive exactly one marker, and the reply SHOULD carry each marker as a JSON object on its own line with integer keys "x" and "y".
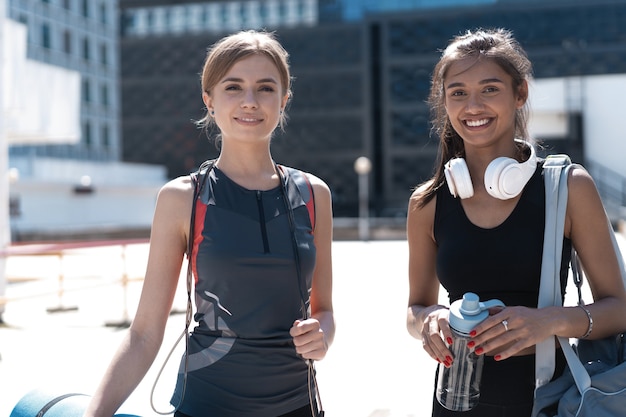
{"x": 259, "y": 200}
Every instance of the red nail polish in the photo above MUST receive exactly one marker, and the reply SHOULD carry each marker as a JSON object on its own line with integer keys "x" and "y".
{"x": 449, "y": 359}
{"x": 497, "y": 357}
{"x": 449, "y": 340}
{"x": 447, "y": 364}
{"x": 479, "y": 351}
{"x": 473, "y": 333}
{"x": 470, "y": 344}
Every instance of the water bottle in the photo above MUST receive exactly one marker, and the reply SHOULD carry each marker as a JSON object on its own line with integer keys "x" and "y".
{"x": 458, "y": 387}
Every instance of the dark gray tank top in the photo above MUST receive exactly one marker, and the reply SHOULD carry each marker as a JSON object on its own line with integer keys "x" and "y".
{"x": 242, "y": 361}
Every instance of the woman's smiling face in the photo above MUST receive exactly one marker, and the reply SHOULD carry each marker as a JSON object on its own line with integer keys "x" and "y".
{"x": 481, "y": 101}
{"x": 248, "y": 100}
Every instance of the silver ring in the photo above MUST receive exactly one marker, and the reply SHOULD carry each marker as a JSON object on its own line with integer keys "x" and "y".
{"x": 506, "y": 325}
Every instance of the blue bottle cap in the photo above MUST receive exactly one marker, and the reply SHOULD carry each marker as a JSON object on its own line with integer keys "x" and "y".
{"x": 467, "y": 313}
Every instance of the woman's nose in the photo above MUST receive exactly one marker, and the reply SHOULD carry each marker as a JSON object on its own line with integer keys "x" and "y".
{"x": 249, "y": 99}
{"x": 474, "y": 104}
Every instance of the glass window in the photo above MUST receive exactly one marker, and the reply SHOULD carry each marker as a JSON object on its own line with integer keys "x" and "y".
{"x": 176, "y": 19}
{"x": 104, "y": 55}
{"x": 45, "y": 36}
{"x": 86, "y": 49}
{"x": 105, "y": 140}
{"x": 103, "y": 13}
{"x": 150, "y": 19}
{"x": 87, "y": 138}
{"x": 104, "y": 95}
{"x": 204, "y": 16}
{"x": 86, "y": 91}
{"x": 67, "y": 42}
{"x": 130, "y": 22}
{"x": 85, "y": 8}
{"x": 167, "y": 19}
{"x": 14, "y": 206}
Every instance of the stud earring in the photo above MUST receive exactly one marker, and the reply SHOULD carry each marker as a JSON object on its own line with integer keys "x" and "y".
{"x": 212, "y": 112}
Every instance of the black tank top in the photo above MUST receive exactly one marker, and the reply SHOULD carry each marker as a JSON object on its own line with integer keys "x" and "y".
{"x": 503, "y": 262}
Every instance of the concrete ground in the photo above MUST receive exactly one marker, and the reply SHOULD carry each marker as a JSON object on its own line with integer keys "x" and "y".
{"x": 373, "y": 369}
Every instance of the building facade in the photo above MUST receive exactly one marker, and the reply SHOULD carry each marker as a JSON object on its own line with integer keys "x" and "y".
{"x": 80, "y": 35}
{"x": 361, "y": 85}
{"x": 69, "y": 181}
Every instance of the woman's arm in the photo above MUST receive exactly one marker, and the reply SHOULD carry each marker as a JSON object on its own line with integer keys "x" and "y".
{"x": 588, "y": 228}
{"x": 314, "y": 336}
{"x": 426, "y": 320}
{"x": 135, "y": 355}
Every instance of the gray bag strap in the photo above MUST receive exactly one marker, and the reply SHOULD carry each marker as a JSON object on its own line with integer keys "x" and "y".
{"x": 556, "y": 201}
{"x": 555, "y": 171}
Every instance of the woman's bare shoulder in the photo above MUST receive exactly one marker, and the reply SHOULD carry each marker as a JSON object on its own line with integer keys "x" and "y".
{"x": 177, "y": 186}
{"x": 418, "y": 196}
{"x": 318, "y": 184}
{"x": 176, "y": 194}
{"x": 582, "y": 187}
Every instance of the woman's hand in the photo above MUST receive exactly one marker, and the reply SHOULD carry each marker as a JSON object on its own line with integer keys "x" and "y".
{"x": 309, "y": 339}
{"x": 435, "y": 328}
{"x": 512, "y": 331}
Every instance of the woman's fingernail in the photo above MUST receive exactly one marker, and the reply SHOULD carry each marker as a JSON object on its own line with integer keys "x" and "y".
{"x": 473, "y": 333}
{"x": 479, "y": 351}
{"x": 447, "y": 364}
{"x": 497, "y": 357}
{"x": 449, "y": 359}
{"x": 449, "y": 340}
{"x": 471, "y": 344}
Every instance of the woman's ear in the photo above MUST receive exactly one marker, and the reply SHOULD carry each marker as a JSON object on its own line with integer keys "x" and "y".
{"x": 208, "y": 102}
{"x": 522, "y": 94}
{"x": 284, "y": 102}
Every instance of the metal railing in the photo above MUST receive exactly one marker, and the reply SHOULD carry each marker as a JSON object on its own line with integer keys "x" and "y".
{"x": 612, "y": 188}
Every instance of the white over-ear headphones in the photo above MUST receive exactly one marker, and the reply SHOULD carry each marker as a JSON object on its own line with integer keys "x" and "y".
{"x": 505, "y": 178}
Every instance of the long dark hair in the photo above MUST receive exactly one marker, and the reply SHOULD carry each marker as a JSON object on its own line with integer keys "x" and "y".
{"x": 497, "y": 45}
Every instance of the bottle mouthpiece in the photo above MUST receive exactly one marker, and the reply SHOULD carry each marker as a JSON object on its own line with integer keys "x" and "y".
{"x": 470, "y": 304}
{"x": 467, "y": 313}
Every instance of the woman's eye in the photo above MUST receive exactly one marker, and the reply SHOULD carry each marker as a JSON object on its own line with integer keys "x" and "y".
{"x": 267, "y": 88}
{"x": 457, "y": 93}
{"x": 491, "y": 89}
{"x": 232, "y": 87}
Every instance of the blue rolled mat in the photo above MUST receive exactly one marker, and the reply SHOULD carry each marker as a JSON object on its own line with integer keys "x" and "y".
{"x": 40, "y": 403}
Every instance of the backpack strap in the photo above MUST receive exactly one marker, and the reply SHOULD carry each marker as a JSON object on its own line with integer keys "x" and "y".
{"x": 304, "y": 188}
{"x": 198, "y": 179}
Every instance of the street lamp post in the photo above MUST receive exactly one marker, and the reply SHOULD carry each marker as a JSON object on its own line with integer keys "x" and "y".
{"x": 363, "y": 166}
